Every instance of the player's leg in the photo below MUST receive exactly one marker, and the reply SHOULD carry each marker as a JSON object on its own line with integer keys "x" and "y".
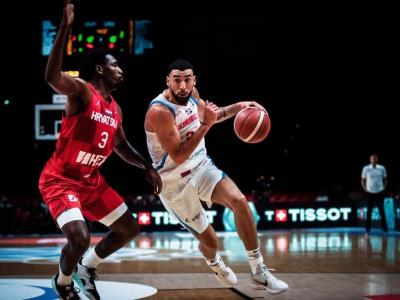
{"x": 228, "y": 194}
{"x": 63, "y": 202}
{"x": 184, "y": 205}
{"x": 370, "y": 206}
{"x": 208, "y": 242}
{"x": 208, "y": 247}
{"x": 75, "y": 230}
{"x": 121, "y": 232}
{"x": 380, "y": 201}
{"x": 107, "y": 207}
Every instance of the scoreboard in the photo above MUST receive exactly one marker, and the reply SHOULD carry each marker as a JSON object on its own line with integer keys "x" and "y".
{"x": 126, "y": 36}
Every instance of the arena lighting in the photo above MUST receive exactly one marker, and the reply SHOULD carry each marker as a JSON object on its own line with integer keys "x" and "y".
{"x": 308, "y": 214}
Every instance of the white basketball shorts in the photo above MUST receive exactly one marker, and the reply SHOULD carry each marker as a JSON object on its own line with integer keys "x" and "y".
{"x": 181, "y": 198}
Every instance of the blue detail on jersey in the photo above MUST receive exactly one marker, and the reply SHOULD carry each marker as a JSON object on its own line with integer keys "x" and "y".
{"x": 167, "y": 105}
{"x": 194, "y": 100}
{"x": 162, "y": 163}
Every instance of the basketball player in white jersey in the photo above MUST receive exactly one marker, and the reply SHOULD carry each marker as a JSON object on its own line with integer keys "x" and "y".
{"x": 176, "y": 123}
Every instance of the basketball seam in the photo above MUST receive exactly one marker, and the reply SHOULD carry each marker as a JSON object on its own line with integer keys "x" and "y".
{"x": 243, "y": 121}
{"x": 234, "y": 122}
{"x": 253, "y": 133}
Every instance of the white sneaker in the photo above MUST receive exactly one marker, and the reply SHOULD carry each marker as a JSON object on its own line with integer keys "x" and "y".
{"x": 86, "y": 277}
{"x": 265, "y": 278}
{"x": 223, "y": 273}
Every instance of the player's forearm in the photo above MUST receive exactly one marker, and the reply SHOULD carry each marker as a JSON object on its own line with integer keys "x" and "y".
{"x": 131, "y": 155}
{"x": 227, "y": 112}
{"x": 54, "y": 63}
{"x": 187, "y": 147}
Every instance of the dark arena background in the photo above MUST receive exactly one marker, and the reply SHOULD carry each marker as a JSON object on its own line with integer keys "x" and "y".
{"x": 327, "y": 73}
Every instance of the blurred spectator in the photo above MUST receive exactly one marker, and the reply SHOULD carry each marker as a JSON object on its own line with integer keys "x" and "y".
{"x": 374, "y": 183}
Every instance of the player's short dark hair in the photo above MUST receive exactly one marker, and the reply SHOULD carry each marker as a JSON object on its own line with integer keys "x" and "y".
{"x": 89, "y": 61}
{"x": 179, "y": 64}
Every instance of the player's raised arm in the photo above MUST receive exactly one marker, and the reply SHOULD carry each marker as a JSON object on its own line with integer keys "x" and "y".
{"x": 58, "y": 80}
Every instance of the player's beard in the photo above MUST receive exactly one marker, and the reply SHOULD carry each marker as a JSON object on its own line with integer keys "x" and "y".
{"x": 181, "y": 100}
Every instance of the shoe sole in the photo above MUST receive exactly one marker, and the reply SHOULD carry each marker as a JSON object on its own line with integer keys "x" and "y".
{"x": 261, "y": 286}
{"x": 224, "y": 283}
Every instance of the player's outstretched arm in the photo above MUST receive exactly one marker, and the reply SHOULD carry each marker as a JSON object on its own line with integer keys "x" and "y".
{"x": 225, "y": 112}
{"x": 129, "y": 154}
{"x": 232, "y": 110}
{"x": 59, "y": 81}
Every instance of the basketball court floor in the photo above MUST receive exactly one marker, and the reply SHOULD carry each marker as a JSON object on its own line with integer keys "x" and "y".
{"x": 336, "y": 263}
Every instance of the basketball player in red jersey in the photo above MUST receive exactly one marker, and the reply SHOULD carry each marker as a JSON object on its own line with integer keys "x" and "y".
{"x": 176, "y": 124}
{"x": 70, "y": 183}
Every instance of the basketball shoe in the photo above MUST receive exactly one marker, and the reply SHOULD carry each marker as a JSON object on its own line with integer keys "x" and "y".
{"x": 270, "y": 282}
{"x": 68, "y": 292}
{"x": 87, "y": 276}
{"x": 223, "y": 273}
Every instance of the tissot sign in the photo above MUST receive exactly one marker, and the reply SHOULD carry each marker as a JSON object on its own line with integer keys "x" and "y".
{"x": 308, "y": 215}
{"x": 282, "y": 215}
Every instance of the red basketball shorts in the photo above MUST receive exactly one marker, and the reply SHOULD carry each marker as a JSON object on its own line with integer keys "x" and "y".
{"x": 94, "y": 201}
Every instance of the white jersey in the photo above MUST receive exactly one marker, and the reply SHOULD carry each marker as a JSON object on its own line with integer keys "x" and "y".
{"x": 374, "y": 178}
{"x": 187, "y": 121}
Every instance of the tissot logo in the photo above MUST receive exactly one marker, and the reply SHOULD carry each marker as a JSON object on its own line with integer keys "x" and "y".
{"x": 144, "y": 218}
{"x": 308, "y": 214}
{"x": 281, "y": 215}
{"x": 164, "y": 218}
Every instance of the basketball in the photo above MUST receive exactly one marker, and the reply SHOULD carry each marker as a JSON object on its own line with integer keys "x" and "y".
{"x": 252, "y": 124}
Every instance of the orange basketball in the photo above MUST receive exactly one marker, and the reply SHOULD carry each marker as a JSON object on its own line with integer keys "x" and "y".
{"x": 252, "y": 124}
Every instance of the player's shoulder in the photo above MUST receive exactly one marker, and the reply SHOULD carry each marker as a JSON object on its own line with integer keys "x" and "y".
{"x": 161, "y": 105}
{"x": 158, "y": 109}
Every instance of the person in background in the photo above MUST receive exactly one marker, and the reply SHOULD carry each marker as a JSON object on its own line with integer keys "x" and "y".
{"x": 374, "y": 182}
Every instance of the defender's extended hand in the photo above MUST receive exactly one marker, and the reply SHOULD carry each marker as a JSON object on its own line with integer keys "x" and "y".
{"x": 68, "y": 15}
{"x": 154, "y": 178}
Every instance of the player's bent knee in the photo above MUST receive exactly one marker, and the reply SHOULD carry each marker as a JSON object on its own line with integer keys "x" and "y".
{"x": 80, "y": 242}
{"x": 239, "y": 203}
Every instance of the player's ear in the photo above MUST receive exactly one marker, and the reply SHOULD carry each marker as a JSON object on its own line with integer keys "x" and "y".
{"x": 99, "y": 69}
{"x": 194, "y": 80}
{"x": 167, "y": 80}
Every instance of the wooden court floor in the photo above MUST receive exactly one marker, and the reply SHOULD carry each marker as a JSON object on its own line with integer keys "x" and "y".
{"x": 316, "y": 263}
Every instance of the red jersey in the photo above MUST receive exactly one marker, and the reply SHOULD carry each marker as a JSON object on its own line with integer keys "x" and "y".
{"x": 85, "y": 142}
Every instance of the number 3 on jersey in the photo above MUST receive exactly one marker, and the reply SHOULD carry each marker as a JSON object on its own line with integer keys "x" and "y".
{"x": 104, "y": 137}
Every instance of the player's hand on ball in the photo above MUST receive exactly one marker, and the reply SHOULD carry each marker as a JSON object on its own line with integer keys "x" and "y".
{"x": 245, "y": 104}
{"x": 211, "y": 112}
